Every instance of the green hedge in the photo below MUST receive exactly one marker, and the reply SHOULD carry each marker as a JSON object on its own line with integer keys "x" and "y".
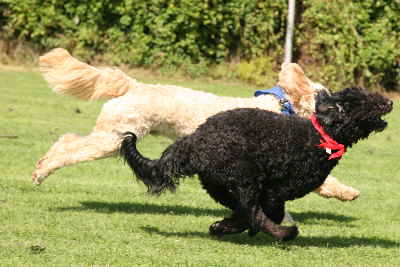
{"x": 341, "y": 41}
{"x": 354, "y": 41}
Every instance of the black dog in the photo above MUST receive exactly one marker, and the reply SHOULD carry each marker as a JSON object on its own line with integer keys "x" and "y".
{"x": 252, "y": 160}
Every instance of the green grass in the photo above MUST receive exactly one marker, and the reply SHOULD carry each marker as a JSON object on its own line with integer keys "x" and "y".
{"x": 96, "y": 214}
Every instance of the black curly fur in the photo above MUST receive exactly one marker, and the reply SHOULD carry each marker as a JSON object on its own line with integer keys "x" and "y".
{"x": 252, "y": 160}
{"x": 155, "y": 175}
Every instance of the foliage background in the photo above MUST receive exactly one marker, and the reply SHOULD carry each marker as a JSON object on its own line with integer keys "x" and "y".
{"x": 340, "y": 42}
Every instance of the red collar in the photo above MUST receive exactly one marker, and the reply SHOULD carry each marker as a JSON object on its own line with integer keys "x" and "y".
{"x": 327, "y": 142}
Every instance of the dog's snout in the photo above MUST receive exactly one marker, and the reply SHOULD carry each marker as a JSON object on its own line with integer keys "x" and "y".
{"x": 389, "y": 105}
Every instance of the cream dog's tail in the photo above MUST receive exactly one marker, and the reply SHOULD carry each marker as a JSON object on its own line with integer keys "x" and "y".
{"x": 67, "y": 75}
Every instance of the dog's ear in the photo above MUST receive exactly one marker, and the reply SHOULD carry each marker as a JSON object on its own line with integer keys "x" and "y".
{"x": 323, "y": 94}
{"x": 322, "y": 97}
{"x": 352, "y": 94}
{"x": 294, "y": 81}
{"x": 327, "y": 108}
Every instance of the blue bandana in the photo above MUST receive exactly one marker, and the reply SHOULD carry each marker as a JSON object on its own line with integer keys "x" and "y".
{"x": 277, "y": 91}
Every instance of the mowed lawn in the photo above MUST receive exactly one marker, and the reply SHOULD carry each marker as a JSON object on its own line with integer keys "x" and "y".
{"x": 96, "y": 214}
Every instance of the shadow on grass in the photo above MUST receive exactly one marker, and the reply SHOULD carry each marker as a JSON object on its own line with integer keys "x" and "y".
{"x": 263, "y": 239}
{"x": 309, "y": 217}
{"x": 141, "y": 208}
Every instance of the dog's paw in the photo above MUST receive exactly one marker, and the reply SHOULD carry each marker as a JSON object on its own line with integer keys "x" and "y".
{"x": 215, "y": 230}
{"x": 349, "y": 194}
{"x": 343, "y": 194}
{"x": 225, "y": 227}
{"x": 287, "y": 233}
{"x": 44, "y": 168}
{"x": 252, "y": 232}
{"x": 333, "y": 188}
{"x": 38, "y": 177}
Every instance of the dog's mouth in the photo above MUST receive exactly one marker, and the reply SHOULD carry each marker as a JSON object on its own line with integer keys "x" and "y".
{"x": 379, "y": 124}
{"x": 376, "y": 118}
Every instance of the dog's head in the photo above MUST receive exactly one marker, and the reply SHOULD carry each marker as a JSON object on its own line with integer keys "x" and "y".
{"x": 354, "y": 109}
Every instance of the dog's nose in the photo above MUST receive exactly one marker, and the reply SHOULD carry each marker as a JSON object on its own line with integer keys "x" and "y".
{"x": 390, "y": 103}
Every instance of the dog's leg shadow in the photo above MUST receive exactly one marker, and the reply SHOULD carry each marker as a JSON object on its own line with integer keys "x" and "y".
{"x": 314, "y": 217}
{"x": 267, "y": 240}
{"x": 241, "y": 239}
{"x": 142, "y": 208}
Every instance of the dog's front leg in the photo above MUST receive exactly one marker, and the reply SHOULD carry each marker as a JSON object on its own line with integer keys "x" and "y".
{"x": 332, "y": 187}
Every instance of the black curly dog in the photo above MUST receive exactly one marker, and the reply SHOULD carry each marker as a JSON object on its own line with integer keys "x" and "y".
{"x": 252, "y": 160}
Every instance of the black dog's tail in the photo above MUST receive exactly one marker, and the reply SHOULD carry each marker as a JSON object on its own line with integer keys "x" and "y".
{"x": 158, "y": 175}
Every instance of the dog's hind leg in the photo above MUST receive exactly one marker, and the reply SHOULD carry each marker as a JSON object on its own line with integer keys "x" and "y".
{"x": 72, "y": 148}
{"x": 102, "y": 142}
{"x": 237, "y": 222}
{"x": 219, "y": 192}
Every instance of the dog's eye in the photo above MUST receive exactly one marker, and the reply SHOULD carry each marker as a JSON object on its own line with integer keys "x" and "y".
{"x": 325, "y": 108}
{"x": 330, "y": 107}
